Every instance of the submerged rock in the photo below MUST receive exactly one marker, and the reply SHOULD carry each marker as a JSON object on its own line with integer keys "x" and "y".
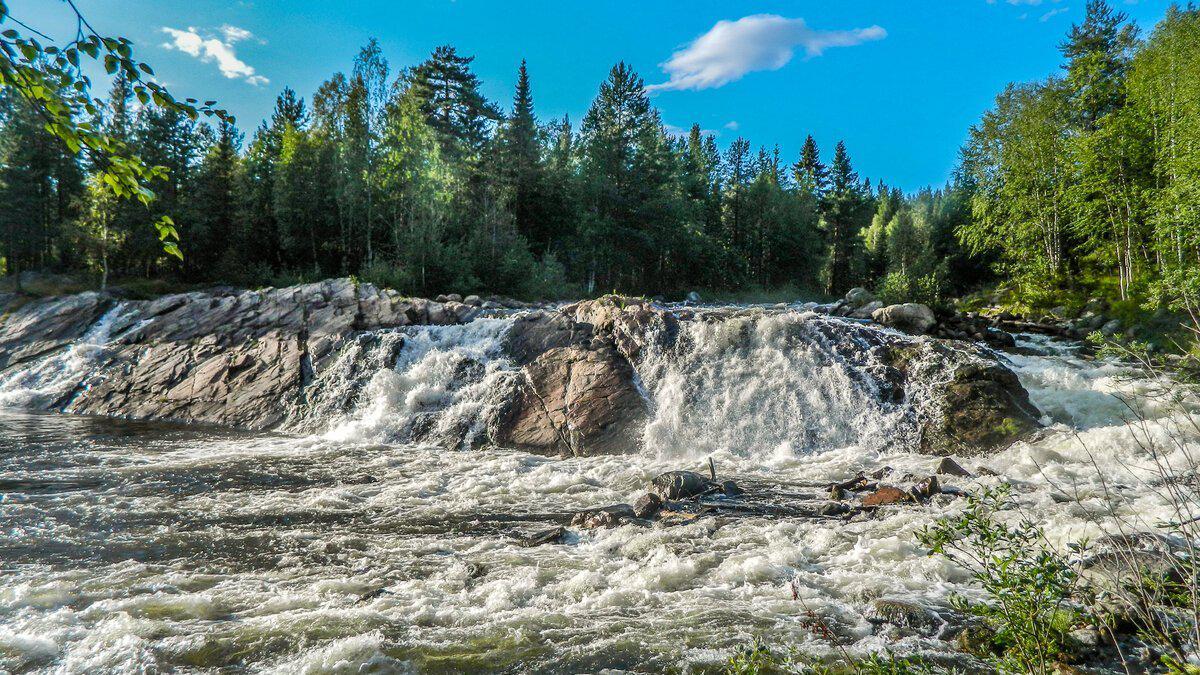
{"x": 609, "y": 516}
{"x": 647, "y": 505}
{"x": 887, "y": 495}
{"x": 948, "y": 467}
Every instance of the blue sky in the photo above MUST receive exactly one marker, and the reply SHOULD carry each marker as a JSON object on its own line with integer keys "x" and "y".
{"x": 899, "y": 80}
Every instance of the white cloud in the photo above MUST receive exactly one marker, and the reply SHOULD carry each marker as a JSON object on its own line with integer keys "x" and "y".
{"x": 1053, "y": 13}
{"x": 731, "y": 49}
{"x": 215, "y": 50}
{"x": 732, "y": 125}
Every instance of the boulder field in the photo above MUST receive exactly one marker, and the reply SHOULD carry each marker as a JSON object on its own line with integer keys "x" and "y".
{"x": 244, "y": 359}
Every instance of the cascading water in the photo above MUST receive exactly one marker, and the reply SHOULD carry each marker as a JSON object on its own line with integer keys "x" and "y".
{"x": 49, "y": 381}
{"x": 359, "y": 543}
{"x": 770, "y": 385}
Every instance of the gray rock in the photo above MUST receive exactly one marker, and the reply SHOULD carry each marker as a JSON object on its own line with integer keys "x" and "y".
{"x": 609, "y": 516}
{"x": 233, "y": 358}
{"x": 680, "y": 485}
{"x": 693, "y": 297}
{"x": 38, "y": 327}
{"x": 647, "y": 505}
{"x": 948, "y": 467}
{"x": 473, "y": 300}
{"x": 859, "y": 297}
{"x": 537, "y": 332}
{"x": 867, "y": 311}
{"x": 904, "y": 615}
{"x": 1111, "y": 328}
{"x": 910, "y": 317}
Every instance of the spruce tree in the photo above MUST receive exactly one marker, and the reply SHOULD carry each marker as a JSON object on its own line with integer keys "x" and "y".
{"x": 810, "y": 174}
{"x": 452, "y": 103}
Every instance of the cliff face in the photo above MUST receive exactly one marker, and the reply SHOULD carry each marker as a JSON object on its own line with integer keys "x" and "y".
{"x": 236, "y": 359}
{"x": 570, "y": 385}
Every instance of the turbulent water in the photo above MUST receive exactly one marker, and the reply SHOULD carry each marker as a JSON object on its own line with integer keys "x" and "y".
{"x": 345, "y": 547}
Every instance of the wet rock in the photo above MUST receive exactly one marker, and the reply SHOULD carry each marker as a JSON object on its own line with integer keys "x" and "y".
{"x": 554, "y": 535}
{"x": 731, "y": 489}
{"x": 39, "y": 327}
{"x": 674, "y": 485}
{"x": 629, "y": 324}
{"x": 1111, "y": 328}
{"x": 926, "y": 489}
{"x": 978, "y": 407}
{"x": 227, "y": 357}
{"x": 905, "y": 615}
{"x": 948, "y": 467}
{"x": 537, "y": 332}
{"x": 647, "y": 505}
{"x": 910, "y": 317}
{"x": 887, "y": 495}
{"x": 609, "y": 516}
{"x": 693, "y": 297}
{"x": 881, "y": 472}
{"x": 473, "y": 300}
{"x": 833, "y": 508}
{"x": 574, "y": 401}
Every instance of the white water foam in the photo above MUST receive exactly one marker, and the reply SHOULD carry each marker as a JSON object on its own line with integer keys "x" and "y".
{"x": 768, "y": 387}
{"x": 45, "y": 381}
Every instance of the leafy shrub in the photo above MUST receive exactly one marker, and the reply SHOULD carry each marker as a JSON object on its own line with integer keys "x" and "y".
{"x": 1031, "y": 587}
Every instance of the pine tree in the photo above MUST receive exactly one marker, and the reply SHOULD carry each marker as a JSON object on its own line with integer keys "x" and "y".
{"x": 843, "y": 209}
{"x": 521, "y": 171}
{"x": 452, "y": 103}
{"x": 1098, "y": 53}
{"x": 810, "y": 174}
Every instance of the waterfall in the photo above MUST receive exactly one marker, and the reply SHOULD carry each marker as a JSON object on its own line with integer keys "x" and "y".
{"x": 421, "y": 383}
{"x": 770, "y": 385}
{"x": 51, "y": 380}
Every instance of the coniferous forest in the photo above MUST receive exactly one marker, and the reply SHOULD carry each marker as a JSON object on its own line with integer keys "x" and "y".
{"x": 1088, "y": 182}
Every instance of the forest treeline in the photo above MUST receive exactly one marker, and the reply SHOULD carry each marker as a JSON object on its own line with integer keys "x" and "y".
{"x": 415, "y": 180}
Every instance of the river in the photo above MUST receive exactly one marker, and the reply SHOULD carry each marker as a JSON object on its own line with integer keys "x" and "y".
{"x": 140, "y": 547}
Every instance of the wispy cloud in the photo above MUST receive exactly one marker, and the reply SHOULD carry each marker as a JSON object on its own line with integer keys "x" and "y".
{"x": 732, "y": 125}
{"x": 1053, "y": 13}
{"x": 731, "y": 49}
{"x": 219, "y": 50}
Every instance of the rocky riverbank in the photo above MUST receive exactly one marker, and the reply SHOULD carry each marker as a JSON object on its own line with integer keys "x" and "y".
{"x": 249, "y": 359}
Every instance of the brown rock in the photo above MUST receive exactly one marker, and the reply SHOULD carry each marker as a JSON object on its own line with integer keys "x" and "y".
{"x": 647, "y": 505}
{"x": 886, "y": 495}
{"x": 574, "y": 401}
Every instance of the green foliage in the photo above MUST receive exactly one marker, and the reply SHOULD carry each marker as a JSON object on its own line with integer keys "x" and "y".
{"x": 49, "y": 80}
{"x": 1031, "y": 589}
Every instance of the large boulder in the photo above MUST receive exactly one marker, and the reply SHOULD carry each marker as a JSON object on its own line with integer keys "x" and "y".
{"x": 910, "y": 317}
{"x": 968, "y": 402}
{"x": 574, "y": 401}
{"x": 537, "y": 332}
{"x": 227, "y": 357}
{"x": 858, "y": 297}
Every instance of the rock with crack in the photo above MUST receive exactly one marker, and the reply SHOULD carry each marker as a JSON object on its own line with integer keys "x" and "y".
{"x": 574, "y": 401}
